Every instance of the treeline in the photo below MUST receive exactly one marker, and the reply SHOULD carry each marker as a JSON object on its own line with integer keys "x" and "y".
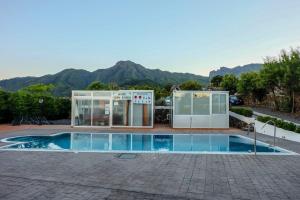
{"x": 279, "y": 77}
{"x": 33, "y": 103}
{"x": 37, "y": 102}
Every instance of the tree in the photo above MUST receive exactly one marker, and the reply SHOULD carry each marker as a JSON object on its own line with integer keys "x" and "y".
{"x": 216, "y": 81}
{"x": 290, "y": 64}
{"x": 41, "y": 89}
{"x": 271, "y": 76}
{"x": 191, "y": 85}
{"x": 250, "y": 85}
{"x": 113, "y": 86}
{"x": 5, "y": 112}
{"x": 26, "y": 104}
{"x": 97, "y": 85}
{"x": 229, "y": 83}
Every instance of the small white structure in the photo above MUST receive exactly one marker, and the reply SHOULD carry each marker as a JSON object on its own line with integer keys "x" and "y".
{"x": 122, "y": 108}
{"x": 200, "y": 109}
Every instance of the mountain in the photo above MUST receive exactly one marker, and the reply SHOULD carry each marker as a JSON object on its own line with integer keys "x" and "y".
{"x": 235, "y": 70}
{"x": 124, "y": 73}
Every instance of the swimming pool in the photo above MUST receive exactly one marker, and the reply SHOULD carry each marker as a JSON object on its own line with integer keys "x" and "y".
{"x": 141, "y": 143}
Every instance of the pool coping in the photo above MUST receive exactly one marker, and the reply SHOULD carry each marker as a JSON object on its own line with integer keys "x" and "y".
{"x": 5, "y": 140}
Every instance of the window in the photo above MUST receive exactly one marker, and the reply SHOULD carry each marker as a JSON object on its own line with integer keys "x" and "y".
{"x": 101, "y": 113}
{"x": 219, "y": 104}
{"x": 122, "y": 113}
{"x": 183, "y": 103}
{"x": 201, "y": 103}
{"x": 83, "y": 112}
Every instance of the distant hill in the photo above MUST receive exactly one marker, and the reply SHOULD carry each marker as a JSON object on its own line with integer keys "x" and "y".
{"x": 124, "y": 73}
{"x": 235, "y": 70}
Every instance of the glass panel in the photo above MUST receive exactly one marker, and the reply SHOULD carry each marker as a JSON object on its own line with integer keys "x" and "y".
{"x": 141, "y": 142}
{"x": 223, "y": 102}
{"x": 201, "y": 103}
{"x": 122, "y": 112}
{"x": 82, "y": 93}
{"x": 101, "y": 94}
{"x": 81, "y": 141}
{"x": 100, "y": 142}
{"x": 121, "y": 142}
{"x": 163, "y": 142}
{"x": 83, "y": 112}
{"x": 142, "y": 109}
{"x": 101, "y": 109}
{"x": 182, "y": 143}
{"x": 219, "y": 104}
{"x": 183, "y": 103}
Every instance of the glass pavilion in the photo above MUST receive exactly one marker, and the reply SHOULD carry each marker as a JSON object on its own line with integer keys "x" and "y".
{"x": 122, "y": 108}
{"x": 200, "y": 109}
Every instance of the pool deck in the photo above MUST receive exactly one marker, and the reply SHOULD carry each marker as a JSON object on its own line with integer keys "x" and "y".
{"x": 57, "y": 175}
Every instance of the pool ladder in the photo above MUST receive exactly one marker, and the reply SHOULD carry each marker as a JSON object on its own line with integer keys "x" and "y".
{"x": 268, "y": 122}
{"x": 252, "y": 124}
{"x": 274, "y": 124}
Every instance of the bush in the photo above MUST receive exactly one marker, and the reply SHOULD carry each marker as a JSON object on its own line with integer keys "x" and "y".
{"x": 280, "y": 123}
{"x": 298, "y": 129}
{"x": 242, "y": 111}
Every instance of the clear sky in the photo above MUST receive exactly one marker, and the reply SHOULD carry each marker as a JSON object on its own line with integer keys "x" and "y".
{"x": 43, "y": 37}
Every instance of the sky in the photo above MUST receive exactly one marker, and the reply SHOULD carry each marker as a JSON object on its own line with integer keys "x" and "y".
{"x": 196, "y": 36}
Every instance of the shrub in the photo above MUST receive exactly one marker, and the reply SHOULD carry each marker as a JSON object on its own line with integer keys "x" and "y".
{"x": 242, "y": 111}
{"x": 280, "y": 123}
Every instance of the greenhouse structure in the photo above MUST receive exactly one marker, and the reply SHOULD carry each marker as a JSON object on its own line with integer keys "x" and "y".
{"x": 122, "y": 108}
{"x": 200, "y": 109}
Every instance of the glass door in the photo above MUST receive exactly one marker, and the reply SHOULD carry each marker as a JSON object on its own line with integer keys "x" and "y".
{"x": 83, "y": 112}
{"x": 121, "y": 113}
{"x": 101, "y": 112}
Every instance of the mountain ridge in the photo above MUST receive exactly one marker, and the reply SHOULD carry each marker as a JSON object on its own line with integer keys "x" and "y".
{"x": 122, "y": 73}
{"x": 238, "y": 70}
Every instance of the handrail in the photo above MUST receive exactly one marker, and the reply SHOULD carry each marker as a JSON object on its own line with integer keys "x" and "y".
{"x": 274, "y": 124}
{"x": 250, "y": 124}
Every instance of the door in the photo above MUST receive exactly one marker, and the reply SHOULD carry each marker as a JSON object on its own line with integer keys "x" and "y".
{"x": 101, "y": 112}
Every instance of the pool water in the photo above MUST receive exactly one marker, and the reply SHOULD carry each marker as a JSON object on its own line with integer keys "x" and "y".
{"x": 120, "y": 142}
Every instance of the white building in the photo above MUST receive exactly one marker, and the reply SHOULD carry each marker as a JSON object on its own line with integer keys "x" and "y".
{"x": 200, "y": 109}
{"x": 122, "y": 108}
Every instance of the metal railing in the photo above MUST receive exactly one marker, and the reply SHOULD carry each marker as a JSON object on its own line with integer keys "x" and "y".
{"x": 274, "y": 124}
{"x": 252, "y": 124}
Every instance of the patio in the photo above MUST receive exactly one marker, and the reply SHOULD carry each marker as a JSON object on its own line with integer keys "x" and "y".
{"x": 54, "y": 175}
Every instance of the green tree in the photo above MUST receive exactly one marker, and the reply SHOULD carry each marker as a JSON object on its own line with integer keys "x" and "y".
{"x": 271, "y": 76}
{"x": 250, "y": 85}
{"x": 41, "y": 89}
{"x": 113, "y": 86}
{"x": 290, "y": 64}
{"x": 229, "y": 83}
{"x": 97, "y": 85}
{"x": 191, "y": 85}
{"x": 216, "y": 81}
{"x": 5, "y": 112}
{"x": 37, "y": 101}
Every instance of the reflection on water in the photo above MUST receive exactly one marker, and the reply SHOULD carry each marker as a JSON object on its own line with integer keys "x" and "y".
{"x": 140, "y": 142}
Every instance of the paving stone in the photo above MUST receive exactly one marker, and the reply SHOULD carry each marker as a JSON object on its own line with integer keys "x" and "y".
{"x": 53, "y": 175}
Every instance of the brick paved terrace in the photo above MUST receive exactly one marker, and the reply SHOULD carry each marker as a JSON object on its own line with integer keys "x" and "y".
{"x": 57, "y": 175}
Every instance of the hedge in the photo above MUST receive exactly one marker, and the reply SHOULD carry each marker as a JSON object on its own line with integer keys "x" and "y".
{"x": 280, "y": 123}
{"x": 242, "y": 111}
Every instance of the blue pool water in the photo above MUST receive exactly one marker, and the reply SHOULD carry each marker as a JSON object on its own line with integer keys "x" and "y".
{"x": 120, "y": 142}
